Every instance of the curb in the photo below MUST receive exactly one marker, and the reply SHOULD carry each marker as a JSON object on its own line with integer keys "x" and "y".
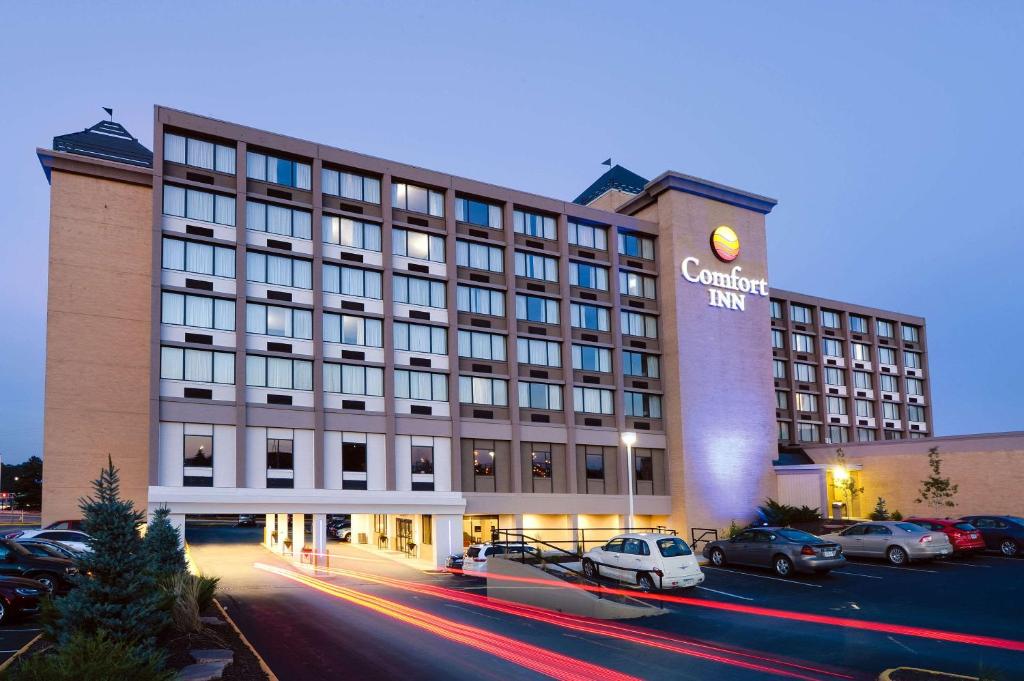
{"x": 21, "y": 651}
{"x": 231, "y": 622}
{"x": 887, "y": 674}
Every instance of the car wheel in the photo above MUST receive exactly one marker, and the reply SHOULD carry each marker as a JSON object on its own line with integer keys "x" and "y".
{"x": 717, "y": 557}
{"x": 783, "y": 566}
{"x": 1008, "y": 547}
{"x": 896, "y": 555}
{"x": 645, "y": 581}
{"x": 590, "y": 570}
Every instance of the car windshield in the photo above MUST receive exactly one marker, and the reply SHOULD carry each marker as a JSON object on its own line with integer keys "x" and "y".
{"x": 910, "y": 527}
{"x": 673, "y": 547}
{"x": 1016, "y": 520}
{"x": 966, "y": 527}
{"x": 796, "y": 535}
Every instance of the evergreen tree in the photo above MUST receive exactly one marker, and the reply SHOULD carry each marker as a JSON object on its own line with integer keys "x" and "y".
{"x": 162, "y": 546}
{"x": 115, "y": 590}
{"x": 880, "y": 512}
{"x": 936, "y": 491}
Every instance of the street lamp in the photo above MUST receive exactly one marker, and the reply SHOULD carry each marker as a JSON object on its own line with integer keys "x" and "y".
{"x": 629, "y": 439}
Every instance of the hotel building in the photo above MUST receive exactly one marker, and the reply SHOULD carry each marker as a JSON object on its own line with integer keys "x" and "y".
{"x": 252, "y": 323}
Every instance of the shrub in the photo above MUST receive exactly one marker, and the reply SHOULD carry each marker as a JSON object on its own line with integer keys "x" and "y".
{"x": 189, "y": 595}
{"x": 880, "y": 512}
{"x": 734, "y": 529}
{"x": 162, "y": 547}
{"x": 783, "y": 515}
{"x": 895, "y": 515}
{"x": 115, "y": 591}
{"x": 93, "y": 657}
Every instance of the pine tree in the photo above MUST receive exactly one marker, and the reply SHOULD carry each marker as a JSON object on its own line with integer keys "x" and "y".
{"x": 936, "y": 491}
{"x": 115, "y": 590}
{"x": 880, "y": 512}
{"x": 162, "y": 547}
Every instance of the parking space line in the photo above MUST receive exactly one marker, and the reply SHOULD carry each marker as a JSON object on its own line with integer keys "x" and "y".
{"x": 856, "y": 574}
{"x": 987, "y": 567}
{"x": 894, "y": 567}
{"x": 725, "y": 593}
{"x": 775, "y": 579}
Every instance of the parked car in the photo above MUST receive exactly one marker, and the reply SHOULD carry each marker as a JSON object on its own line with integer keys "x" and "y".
{"x": 45, "y": 547}
{"x": 16, "y": 561}
{"x": 1003, "y": 533}
{"x": 71, "y": 538}
{"x": 19, "y": 596}
{"x": 651, "y": 561}
{"x": 783, "y": 549}
{"x": 965, "y": 537}
{"x": 246, "y": 521}
{"x": 476, "y": 556}
{"x": 898, "y": 541}
{"x": 65, "y": 525}
{"x": 342, "y": 532}
{"x": 455, "y": 561}
{"x": 340, "y": 527}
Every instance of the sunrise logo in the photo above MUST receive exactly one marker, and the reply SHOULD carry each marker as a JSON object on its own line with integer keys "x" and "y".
{"x": 725, "y": 243}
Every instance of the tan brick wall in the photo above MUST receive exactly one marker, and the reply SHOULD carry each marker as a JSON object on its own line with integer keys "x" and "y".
{"x": 988, "y": 469}
{"x": 97, "y": 339}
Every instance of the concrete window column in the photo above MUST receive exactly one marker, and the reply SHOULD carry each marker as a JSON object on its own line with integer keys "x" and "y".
{"x": 282, "y": 531}
{"x": 574, "y": 525}
{"x": 447, "y": 538}
{"x": 268, "y": 529}
{"x": 298, "y": 534}
{"x": 320, "y": 538}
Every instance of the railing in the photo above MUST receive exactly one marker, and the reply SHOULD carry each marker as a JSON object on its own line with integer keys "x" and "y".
{"x": 700, "y": 536}
{"x": 575, "y": 540}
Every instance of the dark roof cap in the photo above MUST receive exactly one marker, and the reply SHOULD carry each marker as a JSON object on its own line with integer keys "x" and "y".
{"x": 107, "y": 140}
{"x": 616, "y": 177}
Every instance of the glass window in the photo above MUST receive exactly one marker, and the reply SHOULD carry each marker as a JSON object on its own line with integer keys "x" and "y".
{"x": 636, "y": 324}
{"x": 539, "y": 352}
{"x": 280, "y": 454}
{"x": 478, "y": 213}
{"x": 421, "y": 385}
{"x": 540, "y": 461}
{"x": 865, "y": 408}
{"x": 642, "y": 405}
{"x": 889, "y": 383}
{"x": 778, "y": 368}
{"x": 884, "y": 328}
{"x": 806, "y": 402}
{"x": 278, "y": 170}
{"x": 865, "y": 435}
{"x": 838, "y": 434}
{"x": 199, "y": 450}
{"x": 643, "y": 462}
{"x": 353, "y": 457}
{"x": 204, "y": 366}
{"x": 480, "y": 300}
{"x": 277, "y": 372}
{"x": 803, "y": 343}
{"x": 421, "y": 338}
{"x": 915, "y": 386}
{"x": 783, "y": 430}
{"x": 640, "y": 364}
{"x": 778, "y": 339}
{"x": 487, "y": 391}
{"x": 807, "y": 432}
{"x": 588, "y": 276}
{"x": 198, "y": 258}
{"x": 417, "y": 245}
{"x": 273, "y": 320}
{"x": 532, "y": 224}
{"x": 422, "y": 459}
{"x": 195, "y": 204}
{"x": 915, "y": 412}
{"x": 589, "y": 317}
{"x": 834, "y": 376}
{"x": 199, "y": 153}
{"x": 537, "y": 309}
{"x": 279, "y": 220}
{"x": 892, "y": 434}
{"x": 781, "y": 399}
{"x": 417, "y": 199}
{"x": 198, "y": 311}
{"x": 483, "y": 458}
{"x": 637, "y": 285}
{"x": 278, "y": 270}
{"x": 479, "y": 256}
{"x": 588, "y": 236}
{"x": 417, "y": 291}
{"x": 860, "y": 352}
{"x": 533, "y": 266}
{"x": 776, "y": 309}
{"x": 800, "y": 313}
{"x": 891, "y": 410}
{"x": 540, "y": 395}
{"x": 886, "y": 356}
{"x": 858, "y": 324}
{"x": 351, "y": 233}
{"x": 911, "y": 334}
{"x": 353, "y": 330}
{"x": 350, "y": 186}
{"x": 805, "y": 373}
{"x": 831, "y": 319}
{"x": 482, "y": 345}
{"x": 911, "y": 360}
{"x": 594, "y": 463}
{"x": 836, "y": 405}
{"x": 636, "y": 246}
{"x": 349, "y": 379}
{"x": 591, "y": 358}
{"x": 832, "y": 347}
{"x": 593, "y": 400}
{"x": 862, "y": 380}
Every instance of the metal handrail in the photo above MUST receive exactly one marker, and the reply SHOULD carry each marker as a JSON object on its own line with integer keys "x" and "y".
{"x": 705, "y": 533}
{"x": 577, "y": 536}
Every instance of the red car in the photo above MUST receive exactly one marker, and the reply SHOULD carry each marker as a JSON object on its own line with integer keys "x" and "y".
{"x": 964, "y": 537}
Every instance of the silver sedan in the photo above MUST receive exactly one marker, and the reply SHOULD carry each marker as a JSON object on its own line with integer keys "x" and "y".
{"x": 898, "y": 542}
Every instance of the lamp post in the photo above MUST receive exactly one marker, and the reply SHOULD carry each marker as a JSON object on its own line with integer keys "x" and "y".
{"x": 629, "y": 439}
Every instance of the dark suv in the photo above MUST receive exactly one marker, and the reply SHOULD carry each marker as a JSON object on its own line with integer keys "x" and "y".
{"x": 17, "y": 561}
{"x": 1003, "y": 533}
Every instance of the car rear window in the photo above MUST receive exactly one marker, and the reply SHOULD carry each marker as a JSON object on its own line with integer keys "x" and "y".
{"x": 910, "y": 527}
{"x": 473, "y": 551}
{"x": 673, "y": 547}
{"x": 967, "y": 527}
{"x": 796, "y": 535}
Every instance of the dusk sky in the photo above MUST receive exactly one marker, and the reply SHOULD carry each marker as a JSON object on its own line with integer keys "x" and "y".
{"x": 892, "y": 135}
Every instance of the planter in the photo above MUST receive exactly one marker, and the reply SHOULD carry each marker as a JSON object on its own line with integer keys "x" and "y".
{"x": 915, "y": 674}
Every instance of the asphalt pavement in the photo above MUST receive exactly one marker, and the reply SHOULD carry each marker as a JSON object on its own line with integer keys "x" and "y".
{"x": 353, "y": 625}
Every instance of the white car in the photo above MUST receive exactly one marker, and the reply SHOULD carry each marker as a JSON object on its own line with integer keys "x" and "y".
{"x": 73, "y": 539}
{"x": 476, "y": 556}
{"x": 651, "y": 561}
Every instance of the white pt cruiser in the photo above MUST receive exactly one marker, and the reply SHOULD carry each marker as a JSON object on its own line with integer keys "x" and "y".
{"x": 651, "y": 561}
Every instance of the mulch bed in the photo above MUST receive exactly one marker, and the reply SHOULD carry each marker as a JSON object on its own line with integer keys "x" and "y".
{"x": 245, "y": 666}
{"x": 919, "y": 675}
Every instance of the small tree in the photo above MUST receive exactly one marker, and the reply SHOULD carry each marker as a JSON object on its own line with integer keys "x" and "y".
{"x": 935, "y": 490}
{"x": 115, "y": 591}
{"x": 880, "y": 512}
{"x": 162, "y": 547}
{"x": 846, "y": 485}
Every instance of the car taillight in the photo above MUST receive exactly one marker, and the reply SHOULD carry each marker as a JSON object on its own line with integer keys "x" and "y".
{"x": 807, "y": 551}
{"x": 925, "y": 539}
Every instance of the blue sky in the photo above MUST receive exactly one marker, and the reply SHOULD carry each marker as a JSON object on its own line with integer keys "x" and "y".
{"x": 891, "y": 133}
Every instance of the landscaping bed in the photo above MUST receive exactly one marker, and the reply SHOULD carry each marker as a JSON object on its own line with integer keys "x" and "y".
{"x": 244, "y": 666}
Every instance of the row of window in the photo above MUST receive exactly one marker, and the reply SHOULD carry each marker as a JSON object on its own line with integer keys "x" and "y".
{"x": 832, "y": 319}
{"x": 832, "y": 347}
{"x": 808, "y": 402}
{"x": 811, "y": 432}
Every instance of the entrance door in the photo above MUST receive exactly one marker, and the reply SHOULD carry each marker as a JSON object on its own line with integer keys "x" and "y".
{"x": 403, "y": 531}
